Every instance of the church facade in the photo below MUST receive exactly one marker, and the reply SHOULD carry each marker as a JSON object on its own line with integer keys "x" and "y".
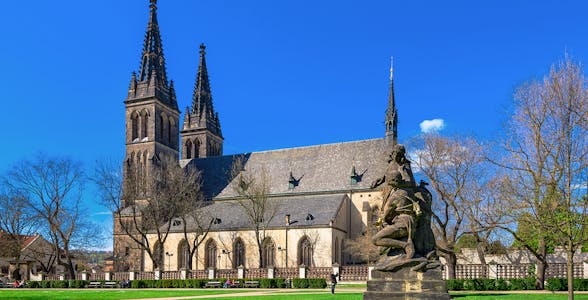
{"x": 321, "y": 194}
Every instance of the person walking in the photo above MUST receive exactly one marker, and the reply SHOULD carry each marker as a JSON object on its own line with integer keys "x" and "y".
{"x": 333, "y": 282}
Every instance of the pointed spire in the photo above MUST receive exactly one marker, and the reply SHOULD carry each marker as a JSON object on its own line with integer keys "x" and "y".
{"x": 391, "y": 111}
{"x": 152, "y": 59}
{"x": 202, "y": 97}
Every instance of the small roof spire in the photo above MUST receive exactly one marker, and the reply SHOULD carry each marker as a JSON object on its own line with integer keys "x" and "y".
{"x": 391, "y": 112}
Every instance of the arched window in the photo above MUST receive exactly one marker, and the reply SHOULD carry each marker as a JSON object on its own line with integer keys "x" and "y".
{"x": 336, "y": 251}
{"x": 158, "y": 256}
{"x": 162, "y": 131}
{"x": 144, "y": 171}
{"x": 305, "y": 252}
{"x": 170, "y": 132}
{"x": 210, "y": 254}
{"x": 134, "y": 126}
{"x": 341, "y": 252}
{"x": 184, "y": 255}
{"x": 188, "y": 149}
{"x": 238, "y": 253}
{"x": 138, "y": 170}
{"x": 267, "y": 252}
{"x": 196, "y": 148}
{"x": 144, "y": 124}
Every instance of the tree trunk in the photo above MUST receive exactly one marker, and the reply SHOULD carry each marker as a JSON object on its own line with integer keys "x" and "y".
{"x": 481, "y": 254}
{"x": 451, "y": 260}
{"x": 541, "y": 264}
{"x": 570, "y": 266}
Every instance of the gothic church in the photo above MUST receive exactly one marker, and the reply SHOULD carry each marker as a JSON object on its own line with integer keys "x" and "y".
{"x": 322, "y": 192}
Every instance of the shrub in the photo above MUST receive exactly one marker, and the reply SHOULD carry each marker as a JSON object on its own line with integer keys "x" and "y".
{"x": 580, "y": 284}
{"x": 455, "y": 284}
{"x": 527, "y": 283}
{"x": 300, "y": 283}
{"x": 557, "y": 284}
{"x": 266, "y": 283}
{"x": 280, "y": 283}
{"x": 78, "y": 283}
{"x": 317, "y": 283}
{"x": 59, "y": 284}
{"x": 501, "y": 285}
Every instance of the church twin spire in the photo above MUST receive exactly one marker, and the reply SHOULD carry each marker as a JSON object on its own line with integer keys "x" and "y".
{"x": 202, "y": 113}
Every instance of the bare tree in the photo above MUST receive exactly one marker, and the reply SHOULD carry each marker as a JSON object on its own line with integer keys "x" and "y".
{"x": 362, "y": 246}
{"x": 53, "y": 187}
{"x": 145, "y": 209}
{"x": 196, "y": 220}
{"x": 546, "y": 158}
{"x": 453, "y": 166}
{"x": 17, "y": 223}
{"x": 252, "y": 188}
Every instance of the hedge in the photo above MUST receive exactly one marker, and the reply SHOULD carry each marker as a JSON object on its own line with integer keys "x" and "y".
{"x": 45, "y": 284}
{"x": 486, "y": 284}
{"x": 561, "y": 284}
{"x": 313, "y": 283}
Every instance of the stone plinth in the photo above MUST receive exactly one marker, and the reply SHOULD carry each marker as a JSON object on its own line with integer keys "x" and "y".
{"x": 406, "y": 284}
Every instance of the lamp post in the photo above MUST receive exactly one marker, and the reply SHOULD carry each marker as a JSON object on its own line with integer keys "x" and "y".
{"x": 169, "y": 255}
{"x": 227, "y": 252}
{"x": 286, "y": 246}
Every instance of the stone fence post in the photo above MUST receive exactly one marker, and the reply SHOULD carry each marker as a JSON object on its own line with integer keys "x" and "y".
{"x": 270, "y": 272}
{"x": 302, "y": 271}
{"x": 108, "y": 276}
{"x": 492, "y": 270}
{"x": 85, "y": 275}
{"x": 240, "y": 272}
{"x": 61, "y": 276}
{"x": 157, "y": 274}
{"x": 370, "y": 269}
{"x": 211, "y": 273}
{"x": 585, "y": 265}
{"x": 183, "y": 274}
{"x": 132, "y": 275}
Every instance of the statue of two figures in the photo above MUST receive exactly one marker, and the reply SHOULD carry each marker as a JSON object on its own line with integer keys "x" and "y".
{"x": 404, "y": 224}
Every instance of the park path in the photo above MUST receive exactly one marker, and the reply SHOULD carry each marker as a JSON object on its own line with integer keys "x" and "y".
{"x": 266, "y": 292}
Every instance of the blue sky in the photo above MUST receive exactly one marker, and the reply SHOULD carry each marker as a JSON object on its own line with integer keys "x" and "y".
{"x": 283, "y": 73}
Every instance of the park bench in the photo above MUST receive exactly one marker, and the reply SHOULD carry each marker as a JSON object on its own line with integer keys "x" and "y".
{"x": 94, "y": 284}
{"x": 110, "y": 284}
{"x": 235, "y": 284}
{"x": 251, "y": 284}
{"x": 213, "y": 284}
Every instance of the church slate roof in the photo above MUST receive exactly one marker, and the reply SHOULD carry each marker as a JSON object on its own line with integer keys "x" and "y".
{"x": 317, "y": 169}
{"x": 322, "y": 208}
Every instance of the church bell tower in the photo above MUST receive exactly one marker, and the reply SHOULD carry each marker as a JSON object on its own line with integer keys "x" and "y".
{"x": 152, "y": 132}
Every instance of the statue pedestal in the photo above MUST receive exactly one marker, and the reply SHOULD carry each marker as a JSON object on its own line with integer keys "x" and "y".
{"x": 406, "y": 284}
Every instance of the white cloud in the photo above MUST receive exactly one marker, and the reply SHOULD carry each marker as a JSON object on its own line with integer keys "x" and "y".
{"x": 432, "y": 125}
{"x": 102, "y": 213}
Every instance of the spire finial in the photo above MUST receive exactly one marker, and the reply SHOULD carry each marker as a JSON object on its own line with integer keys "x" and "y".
{"x": 391, "y": 67}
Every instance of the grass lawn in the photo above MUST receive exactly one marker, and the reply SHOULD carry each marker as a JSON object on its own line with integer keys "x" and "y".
{"x": 49, "y": 294}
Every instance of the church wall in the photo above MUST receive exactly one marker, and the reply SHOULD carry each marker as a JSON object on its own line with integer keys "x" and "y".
{"x": 321, "y": 237}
